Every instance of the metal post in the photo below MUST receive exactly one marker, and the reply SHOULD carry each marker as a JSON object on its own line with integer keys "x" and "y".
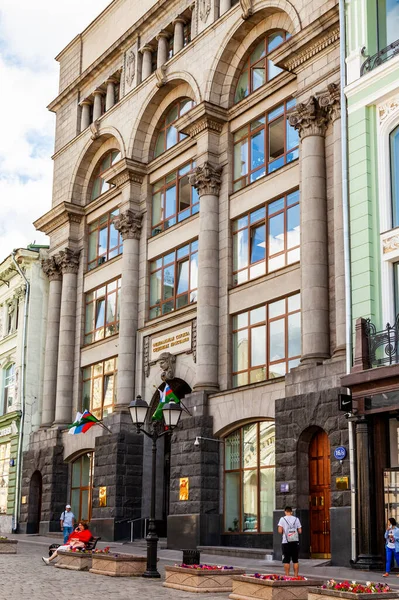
{"x": 152, "y": 538}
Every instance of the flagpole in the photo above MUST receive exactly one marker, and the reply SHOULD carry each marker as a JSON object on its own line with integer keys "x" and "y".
{"x": 104, "y": 426}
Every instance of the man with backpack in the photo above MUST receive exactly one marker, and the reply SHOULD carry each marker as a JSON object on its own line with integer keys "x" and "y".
{"x": 290, "y": 527}
{"x": 67, "y": 521}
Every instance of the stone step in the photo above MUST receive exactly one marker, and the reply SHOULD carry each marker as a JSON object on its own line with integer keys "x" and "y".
{"x": 257, "y": 553}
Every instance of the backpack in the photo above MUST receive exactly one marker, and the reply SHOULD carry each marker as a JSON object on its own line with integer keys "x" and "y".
{"x": 292, "y": 532}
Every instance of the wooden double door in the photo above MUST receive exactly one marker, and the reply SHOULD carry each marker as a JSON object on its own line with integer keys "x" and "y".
{"x": 319, "y": 495}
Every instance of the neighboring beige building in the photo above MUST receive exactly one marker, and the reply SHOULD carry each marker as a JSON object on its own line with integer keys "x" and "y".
{"x": 21, "y": 367}
{"x": 186, "y": 238}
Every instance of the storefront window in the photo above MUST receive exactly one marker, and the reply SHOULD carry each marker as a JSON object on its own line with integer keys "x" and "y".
{"x": 249, "y": 488}
{"x": 82, "y": 486}
{"x": 4, "y": 470}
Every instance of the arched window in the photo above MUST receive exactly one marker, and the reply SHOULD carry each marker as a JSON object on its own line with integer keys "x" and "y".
{"x": 394, "y": 149}
{"x": 82, "y": 486}
{"x": 249, "y": 485}
{"x": 99, "y": 184}
{"x": 168, "y": 135}
{"x": 9, "y": 387}
{"x": 258, "y": 69}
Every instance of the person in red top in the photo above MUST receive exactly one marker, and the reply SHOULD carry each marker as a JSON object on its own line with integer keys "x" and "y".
{"x": 78, "y": 539}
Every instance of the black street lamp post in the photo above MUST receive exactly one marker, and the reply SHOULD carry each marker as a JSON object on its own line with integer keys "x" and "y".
{"x": 171, "y": 415}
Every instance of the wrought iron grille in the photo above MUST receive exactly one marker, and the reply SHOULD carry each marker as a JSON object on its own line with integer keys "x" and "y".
{"x": 383, "y": 345}
{"x": 380, "y": 57}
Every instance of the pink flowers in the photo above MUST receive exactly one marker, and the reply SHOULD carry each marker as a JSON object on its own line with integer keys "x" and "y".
{"x": 105, "y": 550}
{"x": 357, "y": 588}
{"x": 205, "y": 567}
{"x": 275, "y": 577}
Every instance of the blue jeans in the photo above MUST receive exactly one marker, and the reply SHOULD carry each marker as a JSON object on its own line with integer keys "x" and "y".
{"x": 390, "y": 553}
{"x": 67, "y": 532}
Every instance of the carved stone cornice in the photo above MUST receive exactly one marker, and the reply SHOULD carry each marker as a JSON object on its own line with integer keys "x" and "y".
{"x": 204, "y": 116}
{"x": 66, "y": 212}
{"x": 125, "y": 171}
{"x": 309, "y": 118}
{"x": 128, "y": 224}
{"x": 331, "y": 100}
{"x": 68, "y": 261}
{"x": 51, "y": 269}
{"x": 247, "y": 9}
{"x": 206, "y": 179}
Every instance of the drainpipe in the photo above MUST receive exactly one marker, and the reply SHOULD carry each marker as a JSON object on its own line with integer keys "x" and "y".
{"x": 22, "y": 392}
{"x": 348, "y": 298}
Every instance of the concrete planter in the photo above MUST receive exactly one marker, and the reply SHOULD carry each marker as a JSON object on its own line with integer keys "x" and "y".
{"x": 74, "y": 561}
{"x": 193, "y": 580}
{"x": 8, "y": 546}
{"x": 319, "y": 594}
{"x": 118, "y": 565}
{"x": 246, "y": 588}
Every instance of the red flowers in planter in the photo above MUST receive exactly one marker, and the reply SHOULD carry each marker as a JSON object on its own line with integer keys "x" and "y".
{"x": 357, "y": 588}
{"x": 105, "y": 550}
{"x": 276, "y": 577}
{"x": 205, "y": 567}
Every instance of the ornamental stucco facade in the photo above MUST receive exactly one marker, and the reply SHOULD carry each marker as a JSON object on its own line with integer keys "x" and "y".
{"x": 20, "y": 408}
{"x": 149, "y": 92}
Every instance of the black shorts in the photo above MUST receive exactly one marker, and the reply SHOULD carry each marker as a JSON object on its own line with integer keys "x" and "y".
{"x": 290, "y": 552}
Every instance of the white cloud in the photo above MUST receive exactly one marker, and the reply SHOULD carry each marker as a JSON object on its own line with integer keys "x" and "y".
{"x": 31, "y": 34}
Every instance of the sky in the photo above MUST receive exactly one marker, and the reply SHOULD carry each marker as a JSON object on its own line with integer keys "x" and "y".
{"x": 31, "y": 35}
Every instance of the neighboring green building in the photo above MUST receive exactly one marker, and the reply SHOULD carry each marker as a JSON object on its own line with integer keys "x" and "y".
{"x": 372, "y": 93}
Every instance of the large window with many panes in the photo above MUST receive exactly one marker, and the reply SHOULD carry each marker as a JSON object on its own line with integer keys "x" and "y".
{"x": 264, "y": 145}
{"x": 5, "y": 451}
{"x": 173, "y": 199}
{"x": 99, "y": 185}
{"x": 105, "y": 242}
{"x": 174, "y": 280}
{"x": 99, "y": 387}
{"x": 168, "y": 136}
{"x": 266, "y": 341}
{"x": 102, "y": 312}
{"x": 258, "y": 68}
{"x": 266, "y": 239}
{"x": 249, "y": 479}
{"x": 82, "y": 487}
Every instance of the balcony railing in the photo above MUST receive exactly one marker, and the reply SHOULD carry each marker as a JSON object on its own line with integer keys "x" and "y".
{"x": 380, "y": 57}
{"x": 383, "y": 346}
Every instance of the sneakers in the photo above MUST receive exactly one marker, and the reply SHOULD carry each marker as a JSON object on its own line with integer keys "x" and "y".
{"x": 386, "y": 575}
{"x": 46, "y": 560}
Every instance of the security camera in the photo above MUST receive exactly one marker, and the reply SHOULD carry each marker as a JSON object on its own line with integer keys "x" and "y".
{"x": 197, "y": 442}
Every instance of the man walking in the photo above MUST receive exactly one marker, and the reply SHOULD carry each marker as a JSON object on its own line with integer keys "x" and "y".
{"x": 67, "y": 521}
{"x": 290, "y": 526}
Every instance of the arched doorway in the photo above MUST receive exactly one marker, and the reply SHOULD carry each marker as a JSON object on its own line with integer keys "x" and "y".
{"x": 180, "y": 388}
{"x": 35, "y": 503}
{"x": 319, "y": 494}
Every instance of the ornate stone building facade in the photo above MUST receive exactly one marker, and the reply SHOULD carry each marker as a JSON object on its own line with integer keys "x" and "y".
{"x": 196, "y": 240}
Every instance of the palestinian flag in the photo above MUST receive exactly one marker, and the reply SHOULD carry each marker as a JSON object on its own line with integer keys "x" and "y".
{"x": 166, "y": 395}
{"x": 83, "y": 422}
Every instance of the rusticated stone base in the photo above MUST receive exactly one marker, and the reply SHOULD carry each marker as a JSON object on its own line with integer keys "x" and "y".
{"x": 191, "y": 580}
{"x": 246, "y": 588}
{"x": 118, "y": 565}
{"x": 74, "y": 561}
{"x": 8, "y": 546}
{"x": 318, "y": 594}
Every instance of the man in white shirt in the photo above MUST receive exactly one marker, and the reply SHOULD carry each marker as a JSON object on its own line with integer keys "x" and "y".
{"x": 290, "y": 527}
{"x": 67, "y": 521}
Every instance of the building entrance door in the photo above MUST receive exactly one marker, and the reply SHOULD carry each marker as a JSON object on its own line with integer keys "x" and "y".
{"x": 35, "y": 503}
{"x": 320, "y": 495}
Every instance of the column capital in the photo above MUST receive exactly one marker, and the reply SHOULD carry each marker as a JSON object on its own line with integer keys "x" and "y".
{"x": 206, "y": 179}
{"x": 331, "y": 100}
{"x": 51, "y": 269}
{"x": 309, "y": 118}
{"x": 128, "y": 224}
{"x": 111, "y": 79}
{"x": 163, "y": 34}
{"x": 68, "y": 260}
{"x": 179, "y": 20}
{"x": 98, "y": 92}
{"x": 146, "y": 48}
{"x": 86, "y": 102}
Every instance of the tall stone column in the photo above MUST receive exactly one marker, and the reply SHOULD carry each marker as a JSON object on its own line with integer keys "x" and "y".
{"x": 162, "y": 52}
{"x": 68, "y": 261}
{"x": 178, "y": 37}
{"x": 51, "y": 269}
{"x": 85, "y": 115}
{"x": 207, "y": 179}
{"x": 129, "y": 226}
{"x": 110, "y": 97}
{"x": 311, "y": 122}
{"x": 98, "y": 104}
{"x": 146, "y": 65}
{"x": 331, "y": 101}
{"x": 225, "y": 5}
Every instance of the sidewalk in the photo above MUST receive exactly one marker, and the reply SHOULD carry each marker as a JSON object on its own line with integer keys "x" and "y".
{"x": 308, "y": 567}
